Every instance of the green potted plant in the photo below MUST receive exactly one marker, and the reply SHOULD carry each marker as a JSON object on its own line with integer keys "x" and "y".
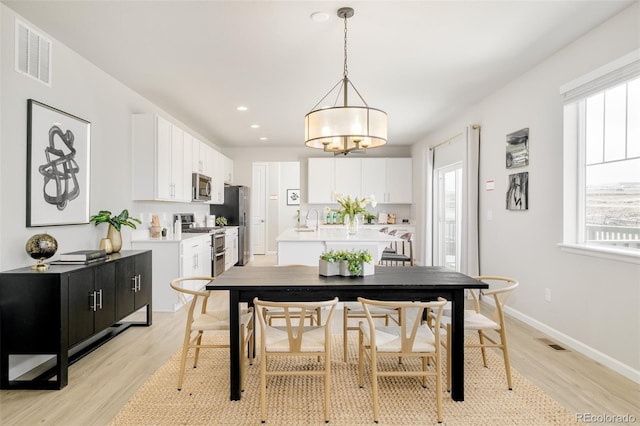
{"x": 369, "y": 217}
{"x": 115, "y": 225}
{"x": 329, "y": 263}
{"x": 357, "y": 263}
{"x": 221, "y": 221}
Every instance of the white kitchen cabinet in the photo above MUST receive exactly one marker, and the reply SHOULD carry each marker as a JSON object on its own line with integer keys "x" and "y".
{"x": 230, "y": 247}
{"x": 227, "y": 166}
{"x": 160, "y": 164}
{"x": 399, "y": 181}
{"x": 193, "y": 262}
{"x": 321, "y": 180}
{"x": 202, "y": 158}
{"x": 390, "y": 180}
{"x": 374, "y": 178}
{"x": 190, "y": 256}
{"x": 348, "y": 176}
{"x": 217, "y": 177}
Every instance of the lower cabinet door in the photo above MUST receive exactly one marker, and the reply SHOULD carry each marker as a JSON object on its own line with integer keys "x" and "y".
{"x": 81, "y": 289}
{"x": 143, "y": 270}
{"x": 105, "y": 288}
{"x": 125, "y": 287}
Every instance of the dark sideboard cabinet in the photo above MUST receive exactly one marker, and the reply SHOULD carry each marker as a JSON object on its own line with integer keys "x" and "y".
{"x": 66, "y": 311}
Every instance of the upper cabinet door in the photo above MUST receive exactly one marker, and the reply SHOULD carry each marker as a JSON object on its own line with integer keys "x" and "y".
{"x": 399, "y": 181}
{"x": 349, "y": 176}
{"x": 321, "y": 180}
{"x": 374, "y": 178}
{"x": 164, "y": 189}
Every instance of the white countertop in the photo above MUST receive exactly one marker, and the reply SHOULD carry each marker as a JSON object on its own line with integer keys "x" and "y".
{"x": 145, "y": 238}
{"x": 334, "y": 235}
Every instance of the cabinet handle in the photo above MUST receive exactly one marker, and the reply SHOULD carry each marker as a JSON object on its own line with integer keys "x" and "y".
{"x": 135, "y": 283}
{"x": 93, "y": 302}
{"x": 100, "y": 299}
{"x": 139, "y": 281}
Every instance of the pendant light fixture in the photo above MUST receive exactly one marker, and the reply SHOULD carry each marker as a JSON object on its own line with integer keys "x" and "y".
{"x": 344, "y": 128}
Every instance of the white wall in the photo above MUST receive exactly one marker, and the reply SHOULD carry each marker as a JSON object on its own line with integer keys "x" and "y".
{"x": 594, "y": 304}
{"x": 81, "y": 89}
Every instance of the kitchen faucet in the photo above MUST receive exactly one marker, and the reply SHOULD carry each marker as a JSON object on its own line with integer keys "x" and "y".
{"x": 317, "y": 218}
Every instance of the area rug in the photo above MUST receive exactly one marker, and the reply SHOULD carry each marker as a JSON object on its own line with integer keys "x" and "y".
{"x": 204, "y": 399}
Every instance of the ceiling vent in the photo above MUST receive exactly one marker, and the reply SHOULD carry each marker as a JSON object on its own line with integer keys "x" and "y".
{"x": 33, "y": 53}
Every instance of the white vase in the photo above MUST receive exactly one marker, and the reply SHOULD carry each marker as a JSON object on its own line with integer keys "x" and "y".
{"x": 328, "y": 269}
{"x": 367, "y": 269}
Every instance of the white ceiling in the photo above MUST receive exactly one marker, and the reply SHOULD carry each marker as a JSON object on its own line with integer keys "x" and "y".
{"x": 420, "y": 61}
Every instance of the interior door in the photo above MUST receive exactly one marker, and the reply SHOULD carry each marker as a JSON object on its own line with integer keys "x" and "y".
{"x": 259, "y": 208}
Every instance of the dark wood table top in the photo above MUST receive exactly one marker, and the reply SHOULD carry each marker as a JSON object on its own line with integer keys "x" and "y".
{"x": 273, "y": 277}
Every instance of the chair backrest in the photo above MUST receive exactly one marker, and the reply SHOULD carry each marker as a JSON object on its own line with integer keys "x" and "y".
{"x": 294, "y": 310}
{"x": 500, "y": 295}
{"x": 178, "y": 285}
{"x": 410, "y": 316}
{"x": 407, "y": 245}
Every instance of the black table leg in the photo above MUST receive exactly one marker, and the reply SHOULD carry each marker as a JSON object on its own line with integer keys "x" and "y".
{"x": 457, "y": 346}
{"x": 234, "y": 342}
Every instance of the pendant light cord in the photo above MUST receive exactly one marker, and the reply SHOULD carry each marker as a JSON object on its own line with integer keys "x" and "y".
{"x": 346, "y": 71}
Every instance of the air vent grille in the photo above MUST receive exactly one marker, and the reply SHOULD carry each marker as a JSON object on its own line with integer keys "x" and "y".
{"x": 33, "y": 53}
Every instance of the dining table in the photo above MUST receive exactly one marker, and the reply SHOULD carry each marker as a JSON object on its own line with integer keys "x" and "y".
{"x": 304, "y": 283}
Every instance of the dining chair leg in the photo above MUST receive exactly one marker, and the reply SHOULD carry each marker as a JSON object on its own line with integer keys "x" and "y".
{"x": 425, "y": 366}
{"x": 345, "y": 339}
{"x": 360, "y": 360}
{"x": 482, "y": 348}
{"x": 374, "y": 387}
{"x": 263, "y": 388}
{"x": 437, "y": 361}
{"x": 505, "y": 353}
{"x": 327, "y": 388}
{"x": 183, "y": 360}
{"x": 198, "y": 343}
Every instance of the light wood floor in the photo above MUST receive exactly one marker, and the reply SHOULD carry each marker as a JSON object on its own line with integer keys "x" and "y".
{"x": 102, "y": 382}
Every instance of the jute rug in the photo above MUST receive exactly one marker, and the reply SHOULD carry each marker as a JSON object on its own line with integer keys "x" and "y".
{"x": 204, "y": 399}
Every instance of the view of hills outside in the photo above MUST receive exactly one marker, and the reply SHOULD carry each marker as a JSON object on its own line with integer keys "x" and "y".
{"x": 613, "y": 202}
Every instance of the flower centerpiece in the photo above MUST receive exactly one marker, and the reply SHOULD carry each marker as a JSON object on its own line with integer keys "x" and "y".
{"x": 352, "y": 207}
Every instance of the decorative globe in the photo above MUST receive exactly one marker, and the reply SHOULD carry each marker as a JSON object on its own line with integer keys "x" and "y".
{"x": 41, "y": 247}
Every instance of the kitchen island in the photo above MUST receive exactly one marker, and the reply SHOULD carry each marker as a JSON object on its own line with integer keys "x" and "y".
{"x": 303, "y": 246}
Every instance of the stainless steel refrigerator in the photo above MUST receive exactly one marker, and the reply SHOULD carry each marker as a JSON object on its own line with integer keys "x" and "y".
{"x": 236, "y": 210}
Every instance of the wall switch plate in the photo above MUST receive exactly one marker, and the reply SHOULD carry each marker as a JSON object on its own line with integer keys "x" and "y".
{"x": 547, "y": 294}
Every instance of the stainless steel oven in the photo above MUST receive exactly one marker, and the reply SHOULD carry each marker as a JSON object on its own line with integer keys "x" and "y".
{"x": 217, "y": 253}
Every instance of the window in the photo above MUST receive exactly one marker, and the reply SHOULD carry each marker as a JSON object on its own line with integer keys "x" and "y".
{"x": 602, "y": 162}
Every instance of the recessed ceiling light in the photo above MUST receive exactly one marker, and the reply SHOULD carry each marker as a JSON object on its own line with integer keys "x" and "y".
{"x": 264, "y": 138}
{"x": 242, "y": 108}
{"x": 319, "y": 16}
{"x": 255, "y": 126}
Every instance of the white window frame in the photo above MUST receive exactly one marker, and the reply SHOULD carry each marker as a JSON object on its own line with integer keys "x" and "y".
{"x": 608, "y": 76}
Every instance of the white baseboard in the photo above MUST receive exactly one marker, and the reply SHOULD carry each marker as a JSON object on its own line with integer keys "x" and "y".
{"x": 588, "y": 351}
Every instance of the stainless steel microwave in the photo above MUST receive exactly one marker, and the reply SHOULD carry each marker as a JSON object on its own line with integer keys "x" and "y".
{"x": 201, "y": 187}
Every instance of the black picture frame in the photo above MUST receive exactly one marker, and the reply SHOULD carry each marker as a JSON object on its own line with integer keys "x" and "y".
{"x": 517, "y": 149}
{"x": 293, "y": 197}
{"x": 58, "y": 166}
